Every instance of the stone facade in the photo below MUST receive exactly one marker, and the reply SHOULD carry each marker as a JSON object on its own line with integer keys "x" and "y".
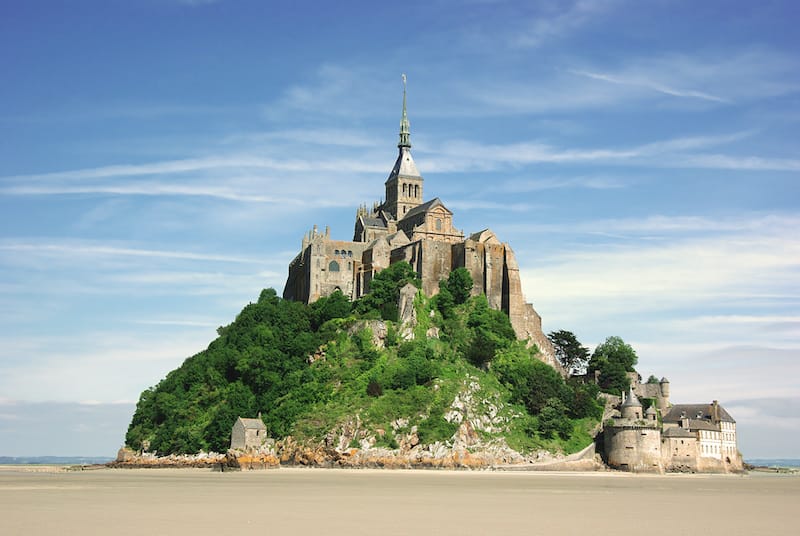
{"x": 405, "y": 228}
{"x": 248, "y": 434}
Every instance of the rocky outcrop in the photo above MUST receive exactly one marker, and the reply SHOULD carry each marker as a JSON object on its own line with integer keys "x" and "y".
{"x": 132, "y": 460}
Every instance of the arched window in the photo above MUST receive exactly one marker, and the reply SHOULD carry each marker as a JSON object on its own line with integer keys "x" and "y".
{"x": 336, "y": 252}
{"x": 349, "y": 253}
{"x": 416, "y": 190}
{"x": 404, "y": 189}
{"x": 438, "y": 224}
{"x": 333, "y": 266}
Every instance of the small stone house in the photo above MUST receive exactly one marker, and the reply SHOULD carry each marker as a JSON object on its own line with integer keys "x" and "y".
{"x": 248, "y": 434}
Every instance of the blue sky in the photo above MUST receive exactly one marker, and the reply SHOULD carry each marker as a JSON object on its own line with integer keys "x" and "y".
{"x": 160, "y": 161}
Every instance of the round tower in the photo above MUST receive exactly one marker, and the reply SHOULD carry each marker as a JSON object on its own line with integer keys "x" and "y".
{"x": 651, "y": 414}
{"x": 664, "y": 387}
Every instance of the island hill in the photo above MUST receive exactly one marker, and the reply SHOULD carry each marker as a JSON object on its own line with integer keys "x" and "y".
{"x": 412, "y": 346}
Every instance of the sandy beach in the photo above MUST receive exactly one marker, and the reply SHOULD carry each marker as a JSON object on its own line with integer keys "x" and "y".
{"x": 352, "y": 502}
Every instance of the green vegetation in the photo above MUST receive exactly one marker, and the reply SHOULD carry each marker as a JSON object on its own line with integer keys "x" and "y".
{"x": 614, "y": 359}
{"x": 572, "y": 355}
{"x": 262, "y": 363}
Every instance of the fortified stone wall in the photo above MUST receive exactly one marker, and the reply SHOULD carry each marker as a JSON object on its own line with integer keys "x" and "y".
{"x": 633, "y": 448}
{"x": 680, "y": 454}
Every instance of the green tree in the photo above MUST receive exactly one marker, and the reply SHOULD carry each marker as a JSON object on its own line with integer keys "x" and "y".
{"x": 615, "y": 350}
{"x": 384, "y": 290}
{"x": 572, "y": 355}
{"x": 459, "y": 283}
{"x": 553, "y": 419}
{"x": 530, "y": 381}
{"x": 490, "y": 331}
{"x": 337, "y": 305}
{"x": 614, "y": 358}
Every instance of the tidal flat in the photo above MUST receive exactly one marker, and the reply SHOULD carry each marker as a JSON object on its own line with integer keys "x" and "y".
{"x": 354, "y": 502}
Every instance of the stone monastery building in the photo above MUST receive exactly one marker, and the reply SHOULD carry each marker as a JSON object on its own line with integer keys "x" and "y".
{"x": 404, "y": 227}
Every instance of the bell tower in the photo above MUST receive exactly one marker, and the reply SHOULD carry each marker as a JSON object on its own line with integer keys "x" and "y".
{"x": 404, "y": 185}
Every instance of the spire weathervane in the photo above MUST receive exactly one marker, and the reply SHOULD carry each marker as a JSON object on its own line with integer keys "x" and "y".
{"x": 405, "y": 131}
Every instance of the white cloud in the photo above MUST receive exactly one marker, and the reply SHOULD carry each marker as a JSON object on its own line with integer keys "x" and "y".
{"x": 650, "y": 84}
{"x": 746, "y": 163}
{"x": 110, "y": 366}
{"x": 83, "y": 249}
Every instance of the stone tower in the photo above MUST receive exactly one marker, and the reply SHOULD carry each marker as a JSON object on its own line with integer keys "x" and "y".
{"x": 404, "y": 185}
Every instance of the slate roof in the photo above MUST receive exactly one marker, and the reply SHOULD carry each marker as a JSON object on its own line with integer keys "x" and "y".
{"x": 696, "y": 412}
{"x": 425, "y": 207}
{"x": 253, "y": 424}
{"x": 373, "y": 222}
{"x": 677, "y": 431}
{"x": 631, "y": 400}
{"x": 404, "y": 165}
{"x": 699, "y": 424}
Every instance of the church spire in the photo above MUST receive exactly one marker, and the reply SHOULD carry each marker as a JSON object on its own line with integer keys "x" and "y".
{"x": 405, "y": 130}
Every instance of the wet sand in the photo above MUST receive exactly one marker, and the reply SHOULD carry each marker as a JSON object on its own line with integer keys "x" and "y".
{"x": 354, "y": 502}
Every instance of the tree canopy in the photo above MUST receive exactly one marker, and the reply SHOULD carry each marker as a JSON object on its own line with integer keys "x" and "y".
{"x": 613, "y": 358}
{"x": 384, "y": 290}
{"x": 572, "y": 355}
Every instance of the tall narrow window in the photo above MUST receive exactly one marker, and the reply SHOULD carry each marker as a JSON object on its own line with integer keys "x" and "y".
{"x": 416, "y": 190}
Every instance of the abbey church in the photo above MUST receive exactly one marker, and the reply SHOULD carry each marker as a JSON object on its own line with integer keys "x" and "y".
{"x": 404, "y": 227}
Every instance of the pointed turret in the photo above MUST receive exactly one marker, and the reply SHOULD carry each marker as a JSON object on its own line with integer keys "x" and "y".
{"x": 405, "y": 127}
{"x": 404, "y": 185}
{"x": 631, "y": 408}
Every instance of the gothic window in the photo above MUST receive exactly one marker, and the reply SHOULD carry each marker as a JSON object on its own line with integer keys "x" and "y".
{"x": 333, "y": 266}
{"x": 416, "y": 190}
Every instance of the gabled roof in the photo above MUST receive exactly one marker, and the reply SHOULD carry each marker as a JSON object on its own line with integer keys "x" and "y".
{"x": 253, "y": 424}
{"x": 425, "y": 207}
{"x": 487, "y": 235}
{"x": 373, "y": 222}
{"x": 700, "y": 424}
{"x": 696, "y": 412}
{"x": 677, "y": 431}
{"x": 397, "y": 239}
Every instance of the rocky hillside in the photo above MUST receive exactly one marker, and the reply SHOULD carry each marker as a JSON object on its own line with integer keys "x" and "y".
{"x": 394, "y": 379}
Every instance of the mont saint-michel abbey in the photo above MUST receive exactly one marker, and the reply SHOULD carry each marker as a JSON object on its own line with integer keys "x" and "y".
{"x": 405, "y": 227}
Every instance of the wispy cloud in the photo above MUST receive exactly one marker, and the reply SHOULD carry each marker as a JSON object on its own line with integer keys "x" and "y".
{"x": 743, "y": 259}
{"x": 743, "y": 163}
{"x": 564, "y": 19}
{"x": 703, "y": 79}
{"x": 89, "y": 250}
{"x": 653, "y": 85}
{"x": 462, "y": 155}
{"x": 556, "y": 183}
